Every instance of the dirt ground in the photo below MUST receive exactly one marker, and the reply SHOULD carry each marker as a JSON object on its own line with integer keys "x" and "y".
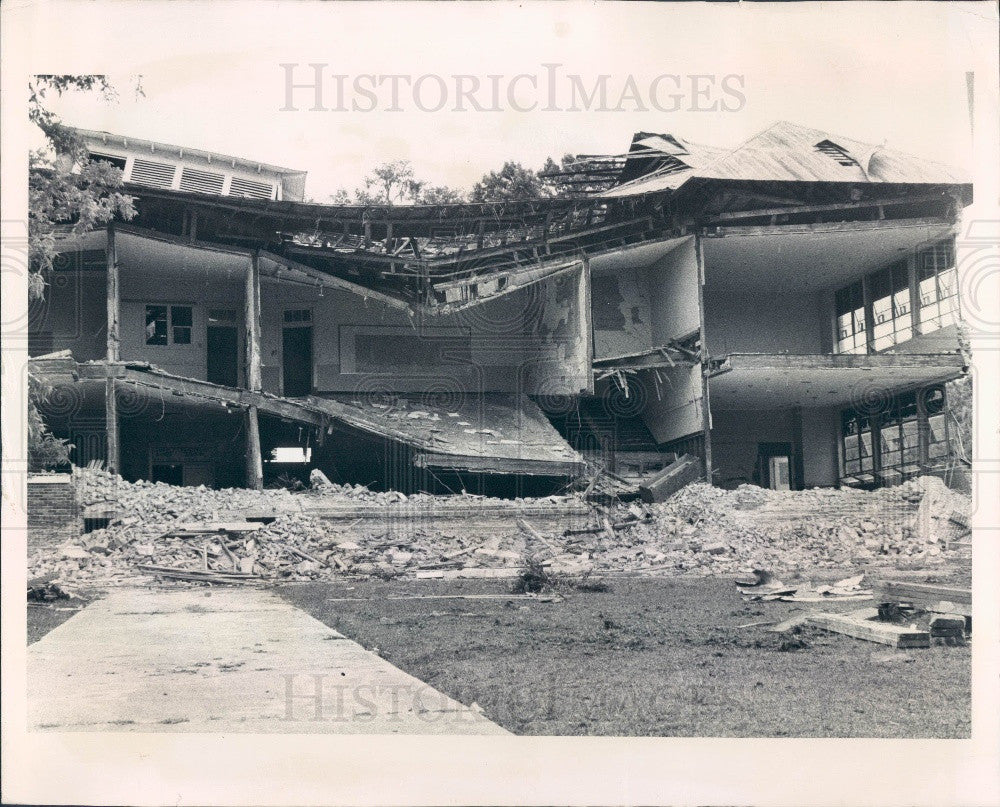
{"x": 657, "y": 657}
{"x": 650, "y": 657}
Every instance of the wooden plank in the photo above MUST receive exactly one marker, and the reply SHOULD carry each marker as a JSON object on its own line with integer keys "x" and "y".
{"x": 871, "y": 631}
{"x": 897, "y": 590}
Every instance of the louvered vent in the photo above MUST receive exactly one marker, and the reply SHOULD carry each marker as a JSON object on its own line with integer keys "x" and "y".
{"x": 835, "y": 152}
{"x": 247, "y": 187}
{"x": 147, "y": 172}
{"x": 201, "y": 181}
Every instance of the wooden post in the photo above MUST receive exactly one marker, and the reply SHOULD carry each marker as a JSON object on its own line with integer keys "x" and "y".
{"x": 923, "y": 430}
{"x": 255, "y": 467}
{"x": 251, "y": 320}
{"x": 251, "y": 313}
{"x": 706, "y": 410}
{"x": 866, "y": 296}
{"x": 113, "y": 458}
{"x": 914, "y": 284}
{"x": 113, "y": 295}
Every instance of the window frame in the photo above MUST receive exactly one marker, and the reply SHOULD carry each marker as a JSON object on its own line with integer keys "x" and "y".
{"x": 171, "y": 330}
{"x": 908, "y": 315}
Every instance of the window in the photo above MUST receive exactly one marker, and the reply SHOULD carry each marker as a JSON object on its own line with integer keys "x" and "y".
{"x": 117, "y": 162}
{"x": 156, "y": 325}
{"x": 298, "y": 316}
{"x": 937, "y": 424}
{"x": 851, "y": 334}
{"x": 896, "y": 433}
{"x": 900, "y": 440}
{"x": 937, "y": 285}
{"x": 890, "y": 292}
{"x": 857, "y": 448}
{"x": 180, "y": 324}
{"x": 891, "y": 302}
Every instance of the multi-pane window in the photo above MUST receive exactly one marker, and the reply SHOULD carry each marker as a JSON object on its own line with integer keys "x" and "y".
{"x": 937, "y": 422}
{"x": 857, "y": 445}
{"x": 899, "y": 433}
{"x": 885, "y": 300}
{"x": 173, "y": 321}
{"x": 890, "y": 293}
{"x": 180, "y": 323}
{"x": 937, "y": 282}
{"x": 896, "y": 435}
{"x": 851, "y": 334}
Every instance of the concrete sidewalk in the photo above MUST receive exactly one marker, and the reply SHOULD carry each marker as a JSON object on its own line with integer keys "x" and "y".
{"x": 224, "y": 660}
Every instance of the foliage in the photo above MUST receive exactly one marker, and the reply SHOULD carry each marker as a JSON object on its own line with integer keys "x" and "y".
{"x": 395, "y": 183}
{"x": 513, "y": 182}
{"x": 45, "y": 451}
{"x": 64, "y": 187}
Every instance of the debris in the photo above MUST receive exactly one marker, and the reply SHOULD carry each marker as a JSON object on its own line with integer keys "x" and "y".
{"x": 350, "y": 529}
{"x": 318, "y": 479}
{"x": 872, "y": 631}
{"x": 48, "y": 592}
{"x": 790, "y": 624}
{"x": 945, "y": 625}
{"x": 663, "y": 484}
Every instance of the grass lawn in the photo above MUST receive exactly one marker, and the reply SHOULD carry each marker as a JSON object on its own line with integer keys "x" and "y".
{"x": 650, "y": 657}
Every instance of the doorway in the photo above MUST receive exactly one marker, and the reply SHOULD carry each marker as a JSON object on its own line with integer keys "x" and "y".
{"x": 221, "y": 345}
{"x": 774, "y": 466}
{"x": 296, "y": 353}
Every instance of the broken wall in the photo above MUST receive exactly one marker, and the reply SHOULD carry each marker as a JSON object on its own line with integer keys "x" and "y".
{"x": 673, "y": 283}
{"x": 558, "y": 356}
{"x": 674, "y": 405}
{"x": 365, "y": 344}
{"x": 621, "y": 313}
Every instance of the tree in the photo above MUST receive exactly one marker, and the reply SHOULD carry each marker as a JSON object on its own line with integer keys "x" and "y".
{"x": 64, "y": 186}
{"x": 395, "y": 183}
{"x": 513, "y": 182}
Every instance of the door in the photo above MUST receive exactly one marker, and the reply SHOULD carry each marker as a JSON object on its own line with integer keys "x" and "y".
{"x": 774, "y": 466}
{"x": 223, "y": 355}
{"x": 296, "y": 353}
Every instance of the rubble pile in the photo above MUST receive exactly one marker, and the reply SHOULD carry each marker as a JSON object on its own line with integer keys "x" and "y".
{"x": 200, "y": 534}
{"x": 719, "y": 531}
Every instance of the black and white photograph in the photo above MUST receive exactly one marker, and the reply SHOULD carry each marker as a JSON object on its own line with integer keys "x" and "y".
{"x": 500, "y": 403}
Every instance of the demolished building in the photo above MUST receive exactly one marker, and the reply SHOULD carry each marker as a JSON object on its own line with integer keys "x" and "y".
{"x": 785, "y": 312}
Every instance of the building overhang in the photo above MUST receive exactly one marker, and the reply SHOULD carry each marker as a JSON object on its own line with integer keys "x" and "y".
{"x": 761, "y": 381}
{"x": 810, "y": 257}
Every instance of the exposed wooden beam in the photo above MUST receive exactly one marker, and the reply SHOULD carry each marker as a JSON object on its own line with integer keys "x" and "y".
{"x": 795, "y": 210}
{"x": 251, "y": 315}
{"x": 113, "y": 458}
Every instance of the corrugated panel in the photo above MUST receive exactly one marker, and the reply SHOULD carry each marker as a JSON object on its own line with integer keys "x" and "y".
{"x": 201, "y": 181}
{"x": 154, "y": 174}
{"x": 251, "y": 188}
{"x": 787, "y": 151}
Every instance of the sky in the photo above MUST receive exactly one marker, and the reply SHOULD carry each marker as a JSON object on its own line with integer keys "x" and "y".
{"x": 214, "y": 81}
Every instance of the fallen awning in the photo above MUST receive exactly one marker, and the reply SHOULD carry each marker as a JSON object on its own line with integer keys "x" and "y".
{"x": 487, "y": 433}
